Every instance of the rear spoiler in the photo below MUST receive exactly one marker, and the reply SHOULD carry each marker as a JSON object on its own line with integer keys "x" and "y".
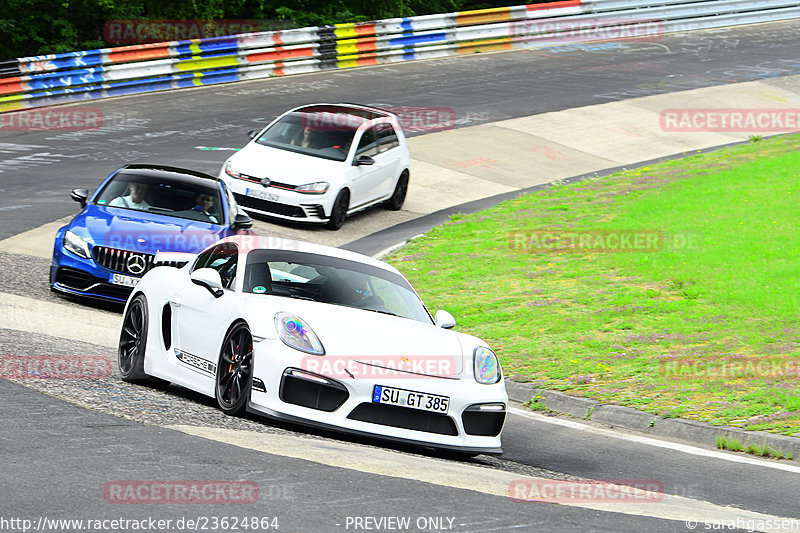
{"x": 173, "y": 259}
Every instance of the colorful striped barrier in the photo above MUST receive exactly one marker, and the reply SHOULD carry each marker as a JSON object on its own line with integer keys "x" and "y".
{"x": 86, "y": 75}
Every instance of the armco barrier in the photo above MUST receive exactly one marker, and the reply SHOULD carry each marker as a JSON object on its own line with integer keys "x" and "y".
{"x": 77, "y": 76}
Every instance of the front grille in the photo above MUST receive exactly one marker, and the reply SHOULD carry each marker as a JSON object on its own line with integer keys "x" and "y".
{"x": 75, "y": 279}
{"x": 270, "y": 207}
{"x": 277, "y": 184}
{"x": 123, "y": 260}
{"x": 404, "y": 417}
{"x": 483, "y": 423}
{"x": 308, "y": 390}
{"x": 113, "y": 291}
{"x": 78, "y": 280}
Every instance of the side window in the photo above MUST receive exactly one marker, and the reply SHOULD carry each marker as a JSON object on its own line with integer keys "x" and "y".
{"x": 222, "y": 258}
{"x": 387, "y": 137}
{"x": 368, "y": 144}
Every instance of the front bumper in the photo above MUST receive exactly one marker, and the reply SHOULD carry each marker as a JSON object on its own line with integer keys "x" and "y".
{"x": 346, "y": 404}
{"x": 284, "y": 204}
{"x": 76, "y": 276}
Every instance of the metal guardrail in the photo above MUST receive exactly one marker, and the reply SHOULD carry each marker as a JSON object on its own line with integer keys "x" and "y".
{"x": 78, "y": 76}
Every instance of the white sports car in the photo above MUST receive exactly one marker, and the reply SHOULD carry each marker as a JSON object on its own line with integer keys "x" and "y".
{"x": 314, "y": 335}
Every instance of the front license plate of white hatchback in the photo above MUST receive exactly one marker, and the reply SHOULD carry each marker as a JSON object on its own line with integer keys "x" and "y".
{"x": 262, "y": 194}
{"x": 409, "y": 398}
{"x": 125, "y": 281}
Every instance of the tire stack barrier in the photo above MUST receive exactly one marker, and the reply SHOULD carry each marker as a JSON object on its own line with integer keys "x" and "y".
{"x": 78, "y": 76}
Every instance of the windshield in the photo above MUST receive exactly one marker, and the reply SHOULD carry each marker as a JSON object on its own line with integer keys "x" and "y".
{"x": 162, "y": 195}
{"x": 332, "y": 280}
{"x": 318, "y": 131}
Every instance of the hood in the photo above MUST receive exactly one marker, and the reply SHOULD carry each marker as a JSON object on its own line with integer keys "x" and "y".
{"x": 283, "y": 166}
{"x": 367, "y": 336}
{"x": 144, "y": 232}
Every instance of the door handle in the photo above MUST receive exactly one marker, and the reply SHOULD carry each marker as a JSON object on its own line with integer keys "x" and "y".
{"x": 176, "y": 300}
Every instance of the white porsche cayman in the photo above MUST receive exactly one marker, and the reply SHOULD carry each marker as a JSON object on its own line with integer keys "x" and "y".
{"x": 315, "y": 335}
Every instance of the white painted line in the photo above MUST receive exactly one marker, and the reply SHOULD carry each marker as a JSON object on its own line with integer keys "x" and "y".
{"x": 58, "y": 320}
{"x": 685, "y": 448}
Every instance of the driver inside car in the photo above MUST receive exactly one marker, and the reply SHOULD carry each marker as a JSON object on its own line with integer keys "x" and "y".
{"x": 205, "y": 205}
{"x": 135, "y": 198}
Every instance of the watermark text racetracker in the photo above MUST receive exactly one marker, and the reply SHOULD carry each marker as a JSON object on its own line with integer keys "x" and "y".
{"x": 190, "y": 241}
{"x": 556, "y": 491}
{"x": 765, "y": 120}
{"x": 381, "y": 366}
{"x": 751, "y": 367}
{"x": 599, "y": 240}
{"x": 54, "y": 367}
{"x": 59, "y": 119}
{"x": 180, "y": 492}
{"x": 135, "y": 31}
{"x": 585, "y": 30}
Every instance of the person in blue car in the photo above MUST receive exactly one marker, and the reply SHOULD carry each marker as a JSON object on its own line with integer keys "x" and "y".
{"x": 205, "y": 204}
{"x": 135, "y": 198}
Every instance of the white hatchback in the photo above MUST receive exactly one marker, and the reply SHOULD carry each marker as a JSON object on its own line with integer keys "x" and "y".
{"x": 320, "y": 163}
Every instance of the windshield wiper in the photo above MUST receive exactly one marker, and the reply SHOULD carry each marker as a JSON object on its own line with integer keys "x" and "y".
{"x": 301, "y": 297}
{"x": 378, "y": 311}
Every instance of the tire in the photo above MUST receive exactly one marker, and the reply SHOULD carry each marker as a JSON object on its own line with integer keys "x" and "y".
{"x": 234, "y": 371}
{"x": 395, "y": 202}
{"x": 133, "y": 341}
{"x": 339, "y": 211}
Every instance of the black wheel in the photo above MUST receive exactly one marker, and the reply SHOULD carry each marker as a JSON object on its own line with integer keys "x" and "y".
{"x": 133, "y": 341}
{"x": 399, "y": 196}
{"x": 235, "y": 370}
{"x": 339, "y": 211}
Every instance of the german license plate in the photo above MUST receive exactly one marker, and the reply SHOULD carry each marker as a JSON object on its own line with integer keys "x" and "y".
{"x": 125, "y": 281}
{"x": 262, "y": 194}
{"x": 408, "y": 398}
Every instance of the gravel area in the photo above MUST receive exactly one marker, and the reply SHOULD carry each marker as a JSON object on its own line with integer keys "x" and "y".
{"x": 29, "y": 276}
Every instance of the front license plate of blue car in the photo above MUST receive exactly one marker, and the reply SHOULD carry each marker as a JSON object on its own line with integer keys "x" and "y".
{"x": 409, "y": 398}
{"x": 125, "y": 281}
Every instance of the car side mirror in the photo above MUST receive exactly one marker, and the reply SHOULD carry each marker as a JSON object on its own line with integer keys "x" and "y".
{"x": 208, "y": 278}
{"x": 444, "y": 320}
{"x": 80, "y": 196}
{"x": 364, "y": 160}
{"x": 242, "y": 221}
{"x": 253, "y": 133}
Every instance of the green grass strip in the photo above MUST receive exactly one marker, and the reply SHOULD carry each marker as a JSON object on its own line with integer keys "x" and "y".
{"x": 696, "y": 313}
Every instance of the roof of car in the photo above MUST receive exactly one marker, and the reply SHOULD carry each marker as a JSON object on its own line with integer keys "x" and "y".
{"x": 363, "y": 111}
{"x": 165, "y": 171}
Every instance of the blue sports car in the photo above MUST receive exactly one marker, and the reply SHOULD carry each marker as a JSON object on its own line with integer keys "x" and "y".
{"x": 138, "y": 211}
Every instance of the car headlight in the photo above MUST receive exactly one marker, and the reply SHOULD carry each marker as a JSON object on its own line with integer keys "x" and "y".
{"x": 76, "y": 245}
{"x": 295, "y": 333}
{"x": 230, "y": 172}
{"x": 318, "y": 187}
{"x": 486, "y": 366}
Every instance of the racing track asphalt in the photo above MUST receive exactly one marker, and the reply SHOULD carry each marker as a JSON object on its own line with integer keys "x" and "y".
{"x": 522, "y": 83}
{"x": 199, "y": 127}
